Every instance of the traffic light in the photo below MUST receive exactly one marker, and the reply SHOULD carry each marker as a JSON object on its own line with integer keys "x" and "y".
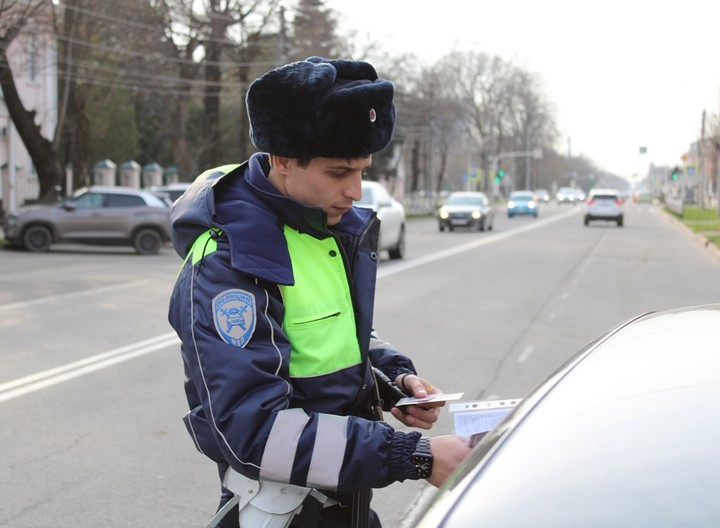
{"x": 499, "y": 175}
{"x": 675, "y": 174}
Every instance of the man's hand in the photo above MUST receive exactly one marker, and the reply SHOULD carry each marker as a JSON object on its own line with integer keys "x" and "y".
{"x": 447, "y": 451}
{"x": 420, "y": 416}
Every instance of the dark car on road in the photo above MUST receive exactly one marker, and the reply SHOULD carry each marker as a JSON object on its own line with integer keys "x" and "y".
{"x": 623, "y": 435}
{"x": 466, "y": 209}
{"x": 93, "y": 215}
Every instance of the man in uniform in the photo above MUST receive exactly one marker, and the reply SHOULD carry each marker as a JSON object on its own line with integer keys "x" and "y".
{"x": 274, "y": 307}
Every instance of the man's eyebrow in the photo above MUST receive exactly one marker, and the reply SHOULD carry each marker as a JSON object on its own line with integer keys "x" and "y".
{"x": 349, "y": 167}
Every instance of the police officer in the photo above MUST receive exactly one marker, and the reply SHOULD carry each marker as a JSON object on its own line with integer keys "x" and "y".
{"x": 274, "y": 307}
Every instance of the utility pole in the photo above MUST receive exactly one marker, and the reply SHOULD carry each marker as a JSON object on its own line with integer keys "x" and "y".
{"x": 701, "y": 163}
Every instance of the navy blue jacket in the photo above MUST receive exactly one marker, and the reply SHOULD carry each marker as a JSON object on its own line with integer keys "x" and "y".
{"x": 245, "y": 409}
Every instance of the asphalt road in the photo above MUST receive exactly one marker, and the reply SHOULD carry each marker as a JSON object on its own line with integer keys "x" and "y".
{"x": 91, "y": 380}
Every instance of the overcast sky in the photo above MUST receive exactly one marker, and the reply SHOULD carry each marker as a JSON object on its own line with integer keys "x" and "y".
{"x": 621, "y": 74}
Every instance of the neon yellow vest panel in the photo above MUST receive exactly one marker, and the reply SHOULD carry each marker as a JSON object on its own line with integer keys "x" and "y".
{"x": 319, "y": 318}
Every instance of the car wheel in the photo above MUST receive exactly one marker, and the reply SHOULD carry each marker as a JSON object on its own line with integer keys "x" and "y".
{"x": 509, "y": 215}
{"x": 441, "y": 227}
{"x": 620, "y": 221}
{"x": 398, "y": 251}
{"x": 481, "y": 225}
{"x": 490, "y": 226}
{"x": 37, "y": 239}
{"x": 147, "y": 242}
{"x": 587, "y": 220}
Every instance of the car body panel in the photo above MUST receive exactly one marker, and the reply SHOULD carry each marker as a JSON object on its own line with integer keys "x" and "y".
{"x": 391, "y": 214}
{"x": 522, "y": 203}
{"x": 624, "y": 434}
{"x": 466, "y": 209}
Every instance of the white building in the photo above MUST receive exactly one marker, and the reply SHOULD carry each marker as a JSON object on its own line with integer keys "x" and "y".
{"x": 33, "y": 60}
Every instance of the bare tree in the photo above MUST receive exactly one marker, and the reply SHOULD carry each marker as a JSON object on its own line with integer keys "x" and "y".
{"x": 506, "y": 109}
{"x": 530, "y": 121}
{"x": 221, "y": 29}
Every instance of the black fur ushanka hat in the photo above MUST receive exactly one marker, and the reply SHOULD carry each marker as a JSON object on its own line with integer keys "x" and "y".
{"x": 321, "y": 108}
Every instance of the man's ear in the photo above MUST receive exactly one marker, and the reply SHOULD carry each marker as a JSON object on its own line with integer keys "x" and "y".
{"x": 280, "y": 164}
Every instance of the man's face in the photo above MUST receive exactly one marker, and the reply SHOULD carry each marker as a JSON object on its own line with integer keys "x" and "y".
{"x": 332, "y": 184}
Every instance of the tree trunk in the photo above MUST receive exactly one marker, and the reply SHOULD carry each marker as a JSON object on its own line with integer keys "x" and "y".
{"x": 79, "y": 136}
{"x": 45, "y": 159}
{"x": 415, "y": 167}
{"x": 211, "y": 98}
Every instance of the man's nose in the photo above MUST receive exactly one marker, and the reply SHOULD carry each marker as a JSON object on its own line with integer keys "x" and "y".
{"x": 354, "y": 187}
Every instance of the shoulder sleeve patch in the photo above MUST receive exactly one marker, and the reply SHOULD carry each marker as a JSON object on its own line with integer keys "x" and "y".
{"x": 234, "y": 315}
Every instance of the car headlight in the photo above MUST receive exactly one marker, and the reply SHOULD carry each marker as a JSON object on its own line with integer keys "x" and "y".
{"x": 443, "y": 214}
{"x": 11, "y": 220}
{"x": 476, "y": 214}
{"x": 531, "y": 205}
{"x": 511, "y": 204}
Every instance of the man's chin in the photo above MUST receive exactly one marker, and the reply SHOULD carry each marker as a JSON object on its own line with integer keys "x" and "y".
{"x": 333, "y": 219}
{"x": 336, "y": 214}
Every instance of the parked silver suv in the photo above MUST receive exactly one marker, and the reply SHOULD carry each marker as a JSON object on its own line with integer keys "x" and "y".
{"x": 93, "y": 215}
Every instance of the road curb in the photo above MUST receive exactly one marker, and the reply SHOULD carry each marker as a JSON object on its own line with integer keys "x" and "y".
{"x": 700, "y": 239}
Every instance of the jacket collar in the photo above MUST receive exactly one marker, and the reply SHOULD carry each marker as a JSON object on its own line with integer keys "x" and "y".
{"x": 257, "y": 242}
{"x": 304, "y": 218}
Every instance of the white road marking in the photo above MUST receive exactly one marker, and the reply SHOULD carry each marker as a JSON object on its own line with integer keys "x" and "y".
{"x": 73, "y": 295}
{"x": 391, "y": 269}
{"x": 47, "y": 378}
{"x": 526, "y": 354}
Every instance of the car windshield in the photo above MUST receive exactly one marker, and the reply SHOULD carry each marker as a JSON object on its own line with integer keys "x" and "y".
{"x": 521, "y": 196}
{"x": 465, "y": 200}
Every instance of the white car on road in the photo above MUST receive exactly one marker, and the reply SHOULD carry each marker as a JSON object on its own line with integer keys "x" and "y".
{"x": 391, "y": 214}
{"x": 604, "y": 204}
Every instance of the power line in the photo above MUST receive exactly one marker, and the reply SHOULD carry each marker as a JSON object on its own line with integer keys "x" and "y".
{"x": 124, "y": 22}
{"x": 157, "y": 56}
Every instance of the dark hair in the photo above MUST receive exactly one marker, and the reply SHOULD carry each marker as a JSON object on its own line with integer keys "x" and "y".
{"x": 303, "y": 162}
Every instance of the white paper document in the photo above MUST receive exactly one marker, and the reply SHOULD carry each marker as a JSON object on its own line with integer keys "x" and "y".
{"x": 475, "y": 418}
{"x": 429, "y": 399}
